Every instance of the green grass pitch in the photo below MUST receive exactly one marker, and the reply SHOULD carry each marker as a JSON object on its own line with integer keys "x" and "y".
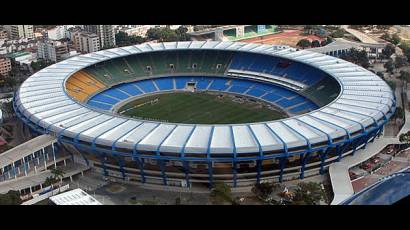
{"x": 198, "y": 108}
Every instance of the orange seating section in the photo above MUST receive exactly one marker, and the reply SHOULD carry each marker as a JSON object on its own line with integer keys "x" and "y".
{"x": 81, "y": 85}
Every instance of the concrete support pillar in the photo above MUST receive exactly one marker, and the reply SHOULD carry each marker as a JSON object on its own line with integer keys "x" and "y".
{"x": 25, "y": 166}
{"x": 44, "y": 158}
{"x": 14, "y": 170}
{"x": 54, "y": 156}
{"x": 65, "y": 163}
{"x": 240, "y": 31}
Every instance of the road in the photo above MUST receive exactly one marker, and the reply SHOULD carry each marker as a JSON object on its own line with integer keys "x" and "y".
{"x": 359, "y": 35}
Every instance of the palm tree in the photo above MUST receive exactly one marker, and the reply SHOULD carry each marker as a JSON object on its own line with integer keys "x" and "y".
{"x": 58, "y": 174}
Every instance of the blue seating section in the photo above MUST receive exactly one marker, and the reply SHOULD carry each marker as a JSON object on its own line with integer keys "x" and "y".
{"x": 164, "y": 83}
{"x": 105, "y": 99}
{"x": 146, "y": 85}
{"x": 219, "y": 84}
{"x": 113, "y": 92}
{"x": 202, "y": 82}
{"x": 281, "y": 97}
{"x": 99, "y": 105}
{"x": 180, "y": 82}
{"x": 271, "y": 65}
{"x": 130, "y": 89}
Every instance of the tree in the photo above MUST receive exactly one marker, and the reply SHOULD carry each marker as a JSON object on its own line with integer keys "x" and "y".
{"x": 380, "y": 74}
{"x": 221, "y": 193}
{"x": 50, "y": 181}
{"x": 389, "y": 66}
{"x": 327, "y": 41}
{"x": 123, "y": 39}
{"x": 339, "y": 33}
{"x": 405, "y": 75}
{"x": 304, "y": 43}
{"x": 400, "y": 61}
{"x": 309, "y": 193}
{"x": 10, "y": 198}
{"x": 405, "y": 138}
{"x": 39, "y": 64}
{"x": 395, "y": 39}
{"x": 58, "y": 174}
{"x": 388, "y": 50}
{"x": 357, "y": 57}
{"x": 315, "y": 43}
{"x": 168, "y": 35}
{"x": 263, "y": 190}
{"x": 383, "y": 27}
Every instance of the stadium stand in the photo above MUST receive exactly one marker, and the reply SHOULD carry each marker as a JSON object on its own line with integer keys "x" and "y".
{"x": 81, "y": 86}
{"x": 277, "y": 67}
{"x": 323, "y": 91}
{"x": 283, "y": 98}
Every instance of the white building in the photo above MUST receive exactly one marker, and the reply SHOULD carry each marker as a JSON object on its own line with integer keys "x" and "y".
{"x": 136, "y": 30}
{"x": 105, "y": 33}
{"x": 58, "y": 32}
{"x": 51, "y": 50}
{"x": 86, "y": 42}
{"x": 16, "y": 32}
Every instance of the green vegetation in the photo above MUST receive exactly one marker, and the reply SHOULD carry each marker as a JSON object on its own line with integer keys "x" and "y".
{"x": 123, "y": 39}
{"x": 304, "y": 43}
{"x": 339, "y": 33}
{"x": 357, "y": 57}
{"x": 388, "y": 51}
{"x": 308, "y": 194}
{"x": 389, "y": 66}
{"x": 10, "y": 198}
{"x": 405, "y": 46}
{"x": 58, "y": 174}
{"x": 39, "y": 64}
{"x": 395, "y": 39}
{"x": 200, "y": 108}
{"x": 315, "y": 43}
{"x": 221, "y": 194}
{"x": 168, "y": 35}
{"x": 264, "y": 190}
{"x": 405, "y": 138}
{"x": 326, "y": 42}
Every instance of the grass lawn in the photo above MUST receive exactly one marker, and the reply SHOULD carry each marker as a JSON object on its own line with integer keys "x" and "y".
{"x": 198, "y": 108}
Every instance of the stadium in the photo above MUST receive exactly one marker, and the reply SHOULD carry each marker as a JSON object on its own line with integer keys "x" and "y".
{"x": 200, "y": 112}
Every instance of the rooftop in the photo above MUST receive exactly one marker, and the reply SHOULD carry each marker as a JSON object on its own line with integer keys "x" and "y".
{"x": 74, "y": 197}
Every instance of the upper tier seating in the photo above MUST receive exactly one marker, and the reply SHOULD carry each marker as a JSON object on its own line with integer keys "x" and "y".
{"x": 276, "y": 66}
{"x": 133, "y": 67}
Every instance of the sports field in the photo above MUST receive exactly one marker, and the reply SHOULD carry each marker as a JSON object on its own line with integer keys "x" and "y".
{"x": 198, "y": 108}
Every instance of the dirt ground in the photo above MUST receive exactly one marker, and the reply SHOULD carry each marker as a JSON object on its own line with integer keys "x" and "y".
{"x": 287, "y": 37}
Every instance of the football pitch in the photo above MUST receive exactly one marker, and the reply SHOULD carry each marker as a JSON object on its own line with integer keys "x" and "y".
{"x": 198, "y": 108}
